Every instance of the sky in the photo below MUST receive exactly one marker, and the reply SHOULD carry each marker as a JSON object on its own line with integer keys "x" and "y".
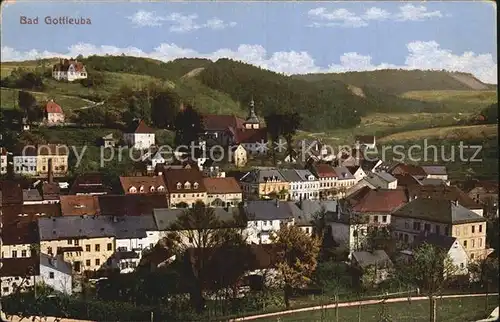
{"x": 286, "y": 37}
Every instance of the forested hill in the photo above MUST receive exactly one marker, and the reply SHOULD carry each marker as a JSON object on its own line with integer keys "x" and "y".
{"x": 397, "y": 81}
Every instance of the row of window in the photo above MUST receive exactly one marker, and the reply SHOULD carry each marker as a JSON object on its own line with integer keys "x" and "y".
{"x": 427, "y": 227}
{"x": 384, "y": 219}
{"x": 193, "y": 195}
{"x": 472, "y": 230}
{"x": 473, "y": 243}
{"x": 187, "y": 185}
{"x": 306, "y": 186}
{"x": 24, "y": 253}
{"x": 151, "y": 189}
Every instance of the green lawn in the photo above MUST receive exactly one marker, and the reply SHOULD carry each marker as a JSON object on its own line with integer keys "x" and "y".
{"x": 463, "y": 310}
{"x": 8, "y": 99}
{"x": 467, "y": 101}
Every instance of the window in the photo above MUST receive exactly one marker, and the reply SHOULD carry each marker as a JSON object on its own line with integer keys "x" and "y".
{"x": 110, "y": 246}
{"x": 77, "y": 243}
{"x": 480, "y": 228}
{"x": 465, "y": 244}
{"x": 51, "y": 275}
{"x": 5, "y": 290}
{"x": 473, "y": 229}
{"x": 179, "y": 185}
{"x": 190, "y": 240}
{"x": 480, "y": 242}
{"x": 87, "y": 248}
{"x": 472, "y": 256}
{"x": 141, "y": 189}
{"x": 407, "y": 225}
{"x": 77, "y": 266}
{"x": 49, "y": 250}
{"x": 375, "y": 218}
{"x": 406, "y": 238}
{"x": 97, "y": 262}
{"x": 187, "y": 185}
{"x": 438, "y": 229}
{"x": 416, "y": 226}
{"x": 87, "y": 263}
{"x": 427, "y": 227}
{"x": 473, "y": 243}
{"x": 23, "y": 253}
{"x": 355, "y": 233}
{"x": 195, "y": 185}
{"x": 70, "y": 241}
{"x": 14, "y": 253}
{"x": 152, "y": 189}
{"x": 132, "y": 190}
{"x": 384, "y": 218}
{"x": 457, "y": 231}
{"x": 97, "y": 248}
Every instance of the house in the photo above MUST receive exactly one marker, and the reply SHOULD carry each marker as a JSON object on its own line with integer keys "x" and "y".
{"x": 212, "y": 169}
{"x": 223, "y": 192}
{"x": 87, "y": 242}
{"x": 310, "y": 209}
{"x": 267, "y": 216}
{"x": 367, "y": 141}
{"x": 435, "y": 172}
{"x": 134, "y": 234}
{"x": 19, "y": 237}
{"x": 253, "y": 140}
{"x": 313, "y": 149}
{"x": 72, "y": 205}
{"x": 50, "y": 191}
{"x": 185, "y": 187}
{"x": 371, "y": 165}
{"x": 43, "y": 269}
{"x": 414, "y": 170}
{"x": 140, "y": 136}
{"x": 345, "y": 179}
{"x": 326, "y": 175}
{"x": 382, "y": 180}
{"x": 26, "y": 164}
{"x": 69, "y": 70}
{"x": 157, "y": 159}
{"x": 216, "y": 128}
{"x": 450, "y": 193}
{"x": 131, "y": 204}
{"x": 143, "y": 185}
{"x": 165, "y": 218}
{"x": 358, "y": 186}
{"x": 58, "y": 156}
{"x": 374, "y": 267}
{"x": 89, "y": 184}
{"x": 450, "y": 245}
{"x": 303, "y": 184}
{"x": 357, "y": 172}
{"x": 53, "y": 113}
{"x": 442, "y": 217}
{"x": 376, "y": 205}
{"x": 108, "y": 141}
{"x": 265, "y": 183}
{"x": 3, "y": 160}
{"x": 406, "y": 180}
{"x": 349, "y": 231}
{"x": 32, "y": 197}
{"x": 485, "y": 193}
{"x": 238, "y": 156}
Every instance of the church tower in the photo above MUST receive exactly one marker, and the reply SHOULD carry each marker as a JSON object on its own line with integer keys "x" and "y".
{"x": 252, "y": 121}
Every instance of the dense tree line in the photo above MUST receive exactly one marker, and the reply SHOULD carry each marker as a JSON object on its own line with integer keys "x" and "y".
{"x": 25, "y": 79}
{"x": 319, "y": 108}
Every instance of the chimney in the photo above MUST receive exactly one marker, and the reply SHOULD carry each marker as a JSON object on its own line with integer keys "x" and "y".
{"x": 49, "y": 173}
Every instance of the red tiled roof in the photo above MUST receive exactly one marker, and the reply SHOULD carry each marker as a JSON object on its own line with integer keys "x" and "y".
{"x": 175, "y": 176}
{"x": 221, "y": 122}
{"x": 52, "y": 107}
{"x": 131, "y": 204}
{"x": 250, "y": 135}
{"x": 143, "y": 128}
{"x": 381, "y": 201}
{"x": 222, "y": 185}
{"x": 147, "y": 182}
{"x": 325, "y": 170}
{"x": 79, "y": 205}
{"x": 411, "y": 169}
{"x": 20, "y": 233}
{"x": 64, "y": 65}
{"x": 89, "y": 183}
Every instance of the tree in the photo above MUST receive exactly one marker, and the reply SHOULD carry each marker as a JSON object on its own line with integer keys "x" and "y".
{"x": 290, "y": 123}
{"x": 164, "y": 109}
{"x": 297, "y": 257}
{"x": 188, "y": 125}
{"x": 28, "y": 104}
{"x": 200, "y": 231}
{"x": 273, "y": 125}
{"x": 430, "y": 270}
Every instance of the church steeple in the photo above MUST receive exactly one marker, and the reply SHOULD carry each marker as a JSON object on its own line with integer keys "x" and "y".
{"x": 252, "y": 121}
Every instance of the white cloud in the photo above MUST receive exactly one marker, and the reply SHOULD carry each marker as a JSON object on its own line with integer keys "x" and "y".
{"x": 178, "y": 22}
{"x": 410, "y": 12}
{"x": 344, "y": 18}
{"x": 426, "y": 55}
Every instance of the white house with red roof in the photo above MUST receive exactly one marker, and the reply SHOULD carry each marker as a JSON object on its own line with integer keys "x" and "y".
{"x": 53, "y": 113}
{"x": 69, "y": 70}
{"x": 141, "y": 137}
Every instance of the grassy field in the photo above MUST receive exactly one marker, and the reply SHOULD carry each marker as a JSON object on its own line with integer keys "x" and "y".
{"x": 461, "y": 101}
{"x": 463, "y": 309}
{"x": 8, "y": 99}
{"x": 471, "y": 132}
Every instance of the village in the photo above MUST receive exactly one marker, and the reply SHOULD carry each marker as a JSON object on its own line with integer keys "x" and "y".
{"x": 367, "y": 213}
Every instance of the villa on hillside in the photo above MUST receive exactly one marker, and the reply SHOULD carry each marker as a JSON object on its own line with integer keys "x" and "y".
{"x": 69, "y": 70}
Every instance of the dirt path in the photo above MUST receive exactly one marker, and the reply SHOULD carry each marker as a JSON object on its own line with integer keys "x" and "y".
{"x": 354, "y": 303}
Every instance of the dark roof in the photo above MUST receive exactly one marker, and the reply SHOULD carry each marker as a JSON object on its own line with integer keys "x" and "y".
{"x": 12, "y": 192}
{"x": 79, "y": 205}
{"x": 414, "y": 170}
{"x": 311, "y": 207}
{"x": 441, "y": 241}
{"x": 438, "y": 210}
{"x": 21, "y": 267}
{"x": 290, "y": 175}
{"x": 435, "y": 169}
{"x": 89, "y": 183}
{"x": 365, "y": 139}
{"x": 432, "y": 182}
{"x": 222, "y": 185}
{"x": 31, "y": 195}
{"x": 131, "y": 204}
{"x": 236, "y": 174}
{"x": 175, "y": 176}
{"x": 451, "y": 193}
{"x": 378, "y": 258}
{"x": 250, "y": 135}
{"x": 378, "y": 200}
{"x": 263, "y": 175}
{"x": 405, "y": 180}
{"x": 20, "y": 233}
{"x": 490, "y": 186}
{"x": 95, "y": 226}
{"x": 324, "y": 170}
{"x": 56, "y": 263}
{"x": 64, "y": 65}
{"x": 272, "y": 210}
{"x": 51, "y": 191}
{"x": 141, "y": 128}
{"x": 213, "y": 122}
{"x": 147, "y": 182}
